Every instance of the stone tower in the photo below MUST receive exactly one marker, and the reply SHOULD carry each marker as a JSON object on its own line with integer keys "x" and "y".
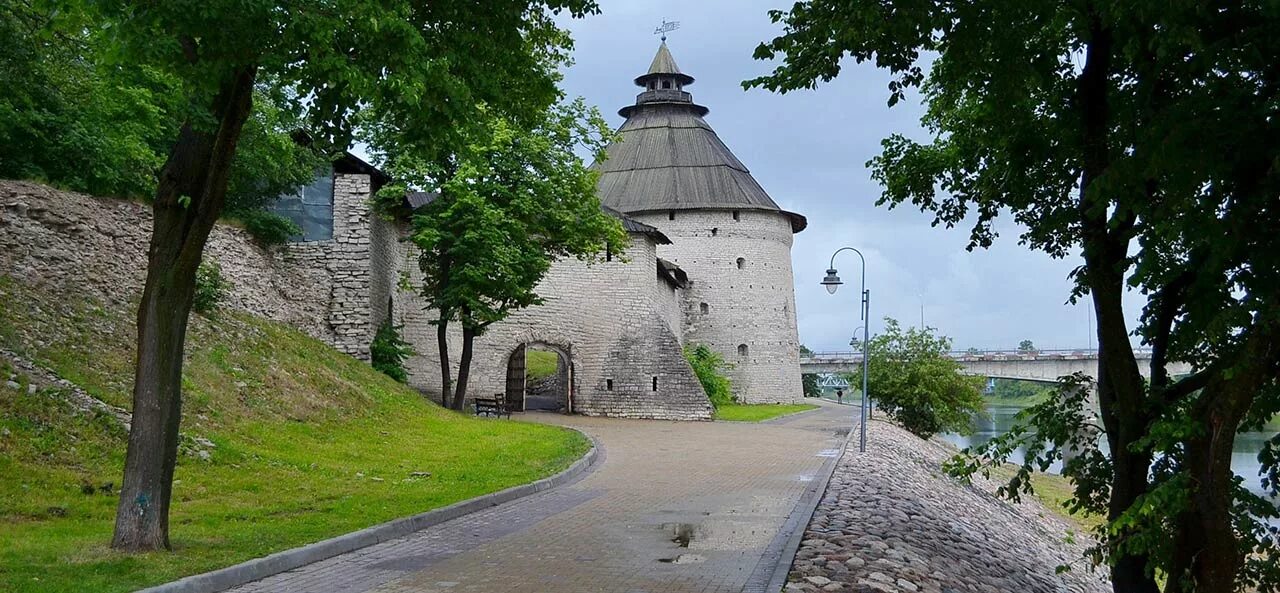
{"x": 671, "y": 171}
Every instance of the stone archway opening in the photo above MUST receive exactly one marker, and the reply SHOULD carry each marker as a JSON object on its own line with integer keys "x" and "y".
{"x": 540, "y": 378}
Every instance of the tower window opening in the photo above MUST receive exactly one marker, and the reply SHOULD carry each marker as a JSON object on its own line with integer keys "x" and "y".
{"x": 742, "y": 349}
{"x": 666, "y": 84}
{"x": 655, "y": 383}
{"x": 608, "y": 384}
{"x": 704, "y": 308}
{"x": 736, "y": 215}
{"x": 671, "y": 215}
{"x": 741, "y": 263}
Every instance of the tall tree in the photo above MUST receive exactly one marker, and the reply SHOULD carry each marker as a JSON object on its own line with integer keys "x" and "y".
{"x": 512, "y": 200}
{"x": 1144, "y": 137}
{"x": 431, "y": 64}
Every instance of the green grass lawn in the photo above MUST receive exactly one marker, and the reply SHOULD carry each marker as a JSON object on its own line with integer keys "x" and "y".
{"x": 1053, "y": 491}
{"x": 308, "y": 444}
{"x": 540, "y": 364}
{"x": 758, "y": 412}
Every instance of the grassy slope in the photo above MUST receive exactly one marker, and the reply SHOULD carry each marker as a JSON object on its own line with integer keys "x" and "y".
{"x": 310, "y": 444}
{"x": 758, "y": 412}
{"x": 540, "y": 364}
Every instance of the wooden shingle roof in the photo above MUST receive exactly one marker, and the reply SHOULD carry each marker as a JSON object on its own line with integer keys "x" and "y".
{"x": 669, "y": 158}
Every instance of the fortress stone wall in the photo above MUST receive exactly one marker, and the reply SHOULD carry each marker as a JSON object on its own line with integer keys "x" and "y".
{"x": 610, "y": 319}
{"x": 731, "y": 304}
{"x": 75, "y": 245}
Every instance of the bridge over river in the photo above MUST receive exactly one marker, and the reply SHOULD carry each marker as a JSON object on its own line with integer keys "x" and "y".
{"x": 1042, "y": 365}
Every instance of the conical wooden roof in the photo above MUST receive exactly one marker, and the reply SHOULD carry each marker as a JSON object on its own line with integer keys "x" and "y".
{"x": 669, "y": 158}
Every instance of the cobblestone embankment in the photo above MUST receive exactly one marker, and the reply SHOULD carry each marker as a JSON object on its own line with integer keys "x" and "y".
{"x": 892, "y": 522}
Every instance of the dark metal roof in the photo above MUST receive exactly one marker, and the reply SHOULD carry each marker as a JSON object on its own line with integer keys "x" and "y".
{"x": 350, "y": 163}
{"x": 347, "y": 163}
{"x": 418, "y": 199}
{"x": 669, "y": 158}
{"x": 632, "y": 225}
{"x": 672, "y": 274}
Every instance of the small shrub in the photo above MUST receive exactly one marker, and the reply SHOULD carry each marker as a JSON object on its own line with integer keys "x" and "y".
{"x": 211, "y": 288}
{"x": 912, "y": 378}
{"x": 709, "y": 366}
{"x": 269, "y": 228}
{"x": 389, "y": 351}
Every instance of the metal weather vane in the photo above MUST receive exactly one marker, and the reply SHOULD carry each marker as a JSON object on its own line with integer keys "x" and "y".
{"x": 667, "y": 27}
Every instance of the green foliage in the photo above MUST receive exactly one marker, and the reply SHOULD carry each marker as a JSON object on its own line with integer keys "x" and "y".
{"x": 1027, "y": 347}
{"x": 269, "y": 228}
{"x": 211, "y": 288}
{"x": 913, "y": 380}
{"x": 1144, "y": 140}
{"x": 67, "y": 119}
{"x": 389, "y": 351}
{"x": 73, "y": 119}
{"x": 710, "y": 368}
{"x": 809, "y": 382}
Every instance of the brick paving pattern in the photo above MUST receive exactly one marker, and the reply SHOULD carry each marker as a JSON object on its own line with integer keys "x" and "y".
{"x": 671, "y": 507}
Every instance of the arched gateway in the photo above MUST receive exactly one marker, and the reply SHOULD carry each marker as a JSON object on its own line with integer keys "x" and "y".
{"x": 540, "y": 377}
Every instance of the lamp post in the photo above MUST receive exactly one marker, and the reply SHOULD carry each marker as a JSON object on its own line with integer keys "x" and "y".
{"x": 921, "y": 297}
{"x": 832, "y": 282}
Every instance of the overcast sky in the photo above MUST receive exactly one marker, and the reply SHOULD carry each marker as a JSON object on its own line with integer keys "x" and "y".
{"x": 808, "y": 150}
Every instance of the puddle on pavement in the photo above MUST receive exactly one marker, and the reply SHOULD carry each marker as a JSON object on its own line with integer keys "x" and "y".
{"x": 829, "y": 453}
{"x": 681, "y": 533}
{"x": 684, "y": 559}
{"x": 805, "y": 478}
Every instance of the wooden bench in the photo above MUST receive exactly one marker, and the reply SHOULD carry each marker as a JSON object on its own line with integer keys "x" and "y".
{"x": 492, "y": 406}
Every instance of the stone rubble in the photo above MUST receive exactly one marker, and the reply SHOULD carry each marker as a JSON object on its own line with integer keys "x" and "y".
{"x": 892, "y": 522}
{"x": 40, "y": 377}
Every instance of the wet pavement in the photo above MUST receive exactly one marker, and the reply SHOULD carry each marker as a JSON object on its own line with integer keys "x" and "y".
{"x": 670, "y": 507}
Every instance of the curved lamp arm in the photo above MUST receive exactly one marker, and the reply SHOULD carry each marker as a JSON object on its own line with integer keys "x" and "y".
{"x": 832, "y": 266}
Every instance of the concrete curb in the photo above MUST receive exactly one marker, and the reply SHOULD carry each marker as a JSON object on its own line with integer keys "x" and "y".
{"x": 260, "y": 568}
{"x": 771, "y": 573}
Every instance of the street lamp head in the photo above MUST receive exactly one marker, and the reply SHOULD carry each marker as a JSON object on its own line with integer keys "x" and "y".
{"x": 831, "y": 281}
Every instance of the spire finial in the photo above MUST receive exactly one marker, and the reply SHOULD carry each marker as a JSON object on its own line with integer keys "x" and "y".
{"x": 667, "y": 27}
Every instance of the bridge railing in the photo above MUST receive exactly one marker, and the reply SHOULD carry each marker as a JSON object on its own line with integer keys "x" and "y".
{"x": 973, "y": 354}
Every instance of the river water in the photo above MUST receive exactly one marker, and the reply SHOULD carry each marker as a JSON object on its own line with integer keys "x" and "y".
{"x": 1000, "y": 418}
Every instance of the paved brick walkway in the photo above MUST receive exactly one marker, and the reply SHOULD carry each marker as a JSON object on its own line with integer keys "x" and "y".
{"x": 725, "y": 488}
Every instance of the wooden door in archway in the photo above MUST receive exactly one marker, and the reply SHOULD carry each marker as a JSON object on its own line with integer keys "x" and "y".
{"x": 568, "y": 393}
{"x": 516, "y": 380}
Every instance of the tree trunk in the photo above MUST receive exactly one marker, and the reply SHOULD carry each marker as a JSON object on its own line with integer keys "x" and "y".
{"x": 446, "y": 378}
{"x": 1120, "y": 385}
{"x": 189, "y": 197}
{"x": 464, "y": 366}
{"x": 1207, "y": 555}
